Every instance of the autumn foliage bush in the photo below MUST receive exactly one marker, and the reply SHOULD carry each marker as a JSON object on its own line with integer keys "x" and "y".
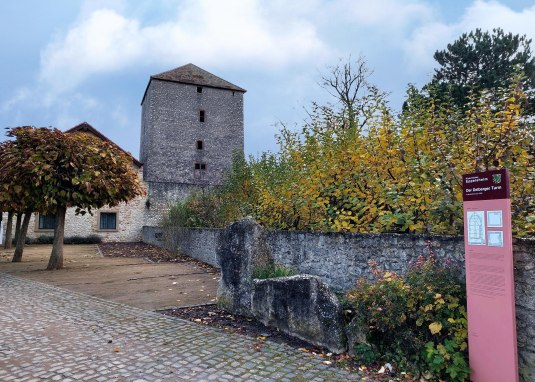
{"x": 417, "y": 321}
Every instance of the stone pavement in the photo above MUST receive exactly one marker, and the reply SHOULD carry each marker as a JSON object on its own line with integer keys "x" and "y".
{"x": 52, "y": 334}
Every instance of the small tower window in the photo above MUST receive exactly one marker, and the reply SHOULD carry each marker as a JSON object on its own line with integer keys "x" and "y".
{"x": 202, "y": 116}
{"x": 200, "y": 170}
{"x": 200, "y": 145}
{"x": 199, "y": 89}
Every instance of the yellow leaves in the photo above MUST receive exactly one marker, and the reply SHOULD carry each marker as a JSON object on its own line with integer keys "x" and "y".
{"x": 402, "y": 176}
{"x": 388, "y": 276}
{"x": 435, "y": 327}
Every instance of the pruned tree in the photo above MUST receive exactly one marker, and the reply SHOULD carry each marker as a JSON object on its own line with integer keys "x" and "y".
{"x": 9, "y": 231}
{"x": 16, "y": 193}
{"x": 71, "y": 170}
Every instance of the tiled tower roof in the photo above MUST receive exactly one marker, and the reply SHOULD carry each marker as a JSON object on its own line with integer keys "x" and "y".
{"x": 191, "y": 74}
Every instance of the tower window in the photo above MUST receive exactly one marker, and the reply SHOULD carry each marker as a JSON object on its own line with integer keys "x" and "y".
{"x": 199, "y": 89}
{"x": 200, "y": 170}
{"x": 201, "y": 116}
{"x": 200, "y": 145}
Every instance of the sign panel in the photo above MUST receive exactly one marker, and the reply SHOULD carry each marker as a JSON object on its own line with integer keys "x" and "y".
{"x": 489, "y": 277}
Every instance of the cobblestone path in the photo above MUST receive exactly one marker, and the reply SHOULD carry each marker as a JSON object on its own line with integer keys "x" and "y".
{"x": 51, "y": 334}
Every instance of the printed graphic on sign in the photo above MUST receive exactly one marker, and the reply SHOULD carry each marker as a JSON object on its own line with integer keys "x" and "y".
{"x": 496, "y": 238}
{"x": 476, "y": 227}
{"x": 494, "y": 219}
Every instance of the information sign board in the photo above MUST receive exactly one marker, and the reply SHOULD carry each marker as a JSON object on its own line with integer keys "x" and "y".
{"x": 489, "y": 277}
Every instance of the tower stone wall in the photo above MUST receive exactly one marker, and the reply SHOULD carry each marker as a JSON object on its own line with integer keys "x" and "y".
{"x": 191, "y": 125}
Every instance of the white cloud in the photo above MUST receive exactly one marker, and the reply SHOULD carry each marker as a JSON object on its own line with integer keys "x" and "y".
{"x": 240, "y": 33}
{"x": 486, "y": 15}
{"x": 384, "y": 14}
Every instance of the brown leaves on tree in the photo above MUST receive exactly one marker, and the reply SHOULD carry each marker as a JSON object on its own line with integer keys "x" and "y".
{"x": 44, "y": 170}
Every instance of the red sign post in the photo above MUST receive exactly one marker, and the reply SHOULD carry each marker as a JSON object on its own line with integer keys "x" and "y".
{"x": 489, "y": 277}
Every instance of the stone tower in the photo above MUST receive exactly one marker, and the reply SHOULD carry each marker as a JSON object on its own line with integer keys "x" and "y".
{"x": 191, "y": 124}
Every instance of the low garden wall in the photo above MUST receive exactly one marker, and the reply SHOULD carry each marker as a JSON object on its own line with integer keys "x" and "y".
{"x": 341, "y": 259}
{"x": 198, "y": 243}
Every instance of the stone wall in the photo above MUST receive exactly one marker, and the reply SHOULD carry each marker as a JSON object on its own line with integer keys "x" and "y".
{"x": 162, "y": 196}
{"x": 198, "y": 243}
{"x": 170, "y": 129}
{"x": 341, "y": 259}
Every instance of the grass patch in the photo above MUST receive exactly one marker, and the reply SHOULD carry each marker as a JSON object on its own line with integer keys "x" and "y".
{"x": 273, "y": 270}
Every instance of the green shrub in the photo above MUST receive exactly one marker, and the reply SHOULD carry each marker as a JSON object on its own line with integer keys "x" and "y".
{"x": 91, "y": 239}
{"x": 43, "y": 239}
{"x": 200, "y": 209}
{"x": 417, "y": 321}
{"x": 235, "y": 199}
{"x": 272, "y": 270}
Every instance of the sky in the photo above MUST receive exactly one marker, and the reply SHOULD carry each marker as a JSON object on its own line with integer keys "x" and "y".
{"x": 63, "y": 62}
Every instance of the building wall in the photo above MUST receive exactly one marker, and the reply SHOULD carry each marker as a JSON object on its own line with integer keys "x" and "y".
{"x": 170, "y": 129}
{"x": 162, "y": 196}
{"x": 130, "y": 220}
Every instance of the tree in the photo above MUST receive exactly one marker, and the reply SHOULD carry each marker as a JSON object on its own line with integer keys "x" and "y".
{"x": 70, "y": 170}
{"x": 350, "y": 84}
{"x": 480, "y": 60}
{"x": 9, "y": 231}
{"x": 401, "y": 174}
{"x": 16, "y": 193}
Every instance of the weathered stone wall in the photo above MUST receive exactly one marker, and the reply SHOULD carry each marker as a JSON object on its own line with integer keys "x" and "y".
{"x": 302, "y": 306}
{"x": 341, "y": 259}
{"x": 162, "y": 196}
{"x": 170, "y": 129}
{"x": 198, "y": 243}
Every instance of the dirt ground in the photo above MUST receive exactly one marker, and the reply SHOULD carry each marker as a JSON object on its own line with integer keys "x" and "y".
{"x": 135, "y": 280}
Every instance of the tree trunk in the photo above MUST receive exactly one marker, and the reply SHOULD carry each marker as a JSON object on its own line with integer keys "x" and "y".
{"x": 9, "y": 231}
{"x": 17, "y": 256}
{"x": 17, "y": 226}
{"x": 56, "y": 257}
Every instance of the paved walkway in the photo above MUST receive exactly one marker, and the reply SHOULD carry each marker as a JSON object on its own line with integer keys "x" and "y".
{"x": 52, "y": 334}
{"x": 129, "y": 280}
